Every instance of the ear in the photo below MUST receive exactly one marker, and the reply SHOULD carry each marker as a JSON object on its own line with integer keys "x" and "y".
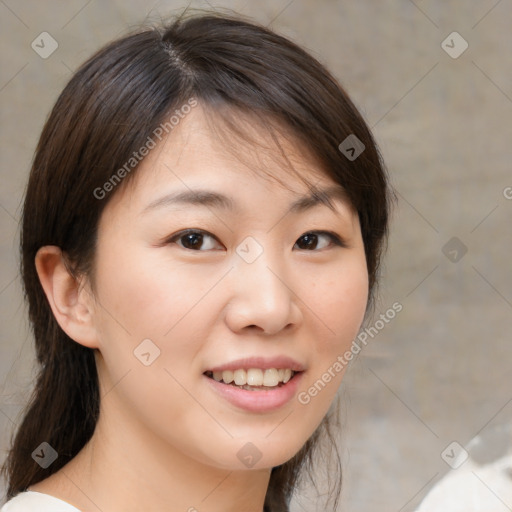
{"x": 72, "y": 305}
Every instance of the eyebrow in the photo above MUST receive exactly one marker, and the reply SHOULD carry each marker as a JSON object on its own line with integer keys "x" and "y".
{"x": 201, "y": 197}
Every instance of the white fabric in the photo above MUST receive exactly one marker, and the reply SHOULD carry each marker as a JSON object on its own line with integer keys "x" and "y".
{"x": 473, "y": 488}
{"x": 31, "y": 501}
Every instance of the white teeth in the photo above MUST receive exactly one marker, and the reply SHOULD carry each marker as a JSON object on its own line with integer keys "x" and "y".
{"x": 240, "y": 377}
{"x": 228, "y": 376}
{"x": 256, "y": 377}
{"x": 271, "y": 377}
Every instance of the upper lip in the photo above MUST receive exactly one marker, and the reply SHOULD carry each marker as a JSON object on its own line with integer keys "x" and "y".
{"x": 263, "y": 363}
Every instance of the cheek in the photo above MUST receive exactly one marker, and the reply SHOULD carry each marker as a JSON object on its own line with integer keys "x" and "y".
{"x": 339, "y": 305}
{"x": 142, "y": 299}
{"x": 148, "y": 299}
{"x": 339, "y": 308}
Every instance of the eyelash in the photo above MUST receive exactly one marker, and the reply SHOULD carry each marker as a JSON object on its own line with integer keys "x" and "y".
{"x": 335, "y": 239}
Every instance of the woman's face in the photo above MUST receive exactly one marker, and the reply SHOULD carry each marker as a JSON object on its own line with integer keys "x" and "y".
{"x": 252, "y": 291}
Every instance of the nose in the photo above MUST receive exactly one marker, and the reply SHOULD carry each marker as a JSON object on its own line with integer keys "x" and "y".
{"x": 263, "y": 298}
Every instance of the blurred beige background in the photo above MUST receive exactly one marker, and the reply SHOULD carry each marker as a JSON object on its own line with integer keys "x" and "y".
{"x": 440, "y": 371}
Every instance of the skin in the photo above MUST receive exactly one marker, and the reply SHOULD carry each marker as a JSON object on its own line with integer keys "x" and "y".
{"x": 165, "y": 441}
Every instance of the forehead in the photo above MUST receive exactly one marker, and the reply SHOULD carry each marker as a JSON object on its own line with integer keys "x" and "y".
{"x": 217, "y": 150}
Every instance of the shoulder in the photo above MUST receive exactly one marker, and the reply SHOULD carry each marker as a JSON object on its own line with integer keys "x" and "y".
{"x": 31, "y": 501}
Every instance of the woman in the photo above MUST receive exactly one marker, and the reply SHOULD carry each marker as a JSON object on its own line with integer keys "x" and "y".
{"x": 201, "y": 238}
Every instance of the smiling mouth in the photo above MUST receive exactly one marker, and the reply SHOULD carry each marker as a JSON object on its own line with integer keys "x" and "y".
{"x": 254, "y": 379}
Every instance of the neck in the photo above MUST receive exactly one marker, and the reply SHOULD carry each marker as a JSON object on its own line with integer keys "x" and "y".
{"x": 124, "y": 467}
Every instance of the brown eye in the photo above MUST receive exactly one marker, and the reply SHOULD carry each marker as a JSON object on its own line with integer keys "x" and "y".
{"x": 193, "y": 239}
{"x": 310, "y": 241}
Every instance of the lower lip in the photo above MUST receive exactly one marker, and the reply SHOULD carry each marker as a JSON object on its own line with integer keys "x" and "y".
{"x": 257, "y": 401}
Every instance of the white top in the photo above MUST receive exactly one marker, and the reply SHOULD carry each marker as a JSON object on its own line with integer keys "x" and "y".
{"x": 31, "y": 501}
{"x": 473, "y": 488}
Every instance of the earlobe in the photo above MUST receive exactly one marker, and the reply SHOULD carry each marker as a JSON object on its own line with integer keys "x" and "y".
{"x": 71, "y": 305}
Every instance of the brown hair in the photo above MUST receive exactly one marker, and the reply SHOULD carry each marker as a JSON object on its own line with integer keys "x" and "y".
{"x": 106, "y": 112}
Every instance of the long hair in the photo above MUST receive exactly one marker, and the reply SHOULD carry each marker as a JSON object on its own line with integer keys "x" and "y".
{"x": 107, "y": 111}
